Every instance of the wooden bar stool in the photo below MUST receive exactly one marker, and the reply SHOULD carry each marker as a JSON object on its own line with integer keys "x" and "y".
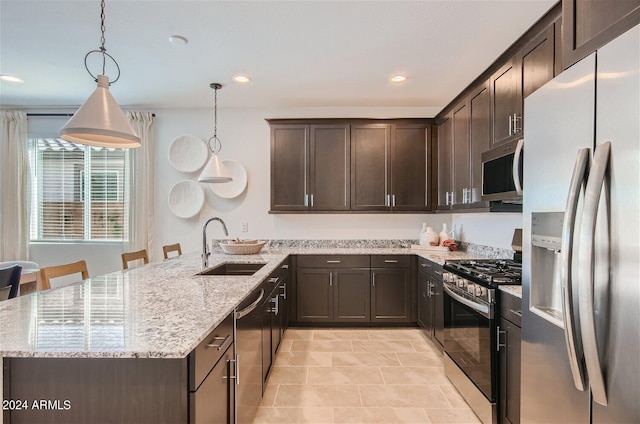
{"x": 132, "y": 256}
{"x": 171, "y": 248}
{"x": 49, "y": 272}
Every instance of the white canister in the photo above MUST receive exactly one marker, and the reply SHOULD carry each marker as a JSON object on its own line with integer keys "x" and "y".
{"x": 445, "y": 234}
{"x": 428, "y": 236}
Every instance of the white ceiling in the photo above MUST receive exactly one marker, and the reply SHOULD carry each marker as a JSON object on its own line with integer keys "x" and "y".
{"x": 298, "y": 53}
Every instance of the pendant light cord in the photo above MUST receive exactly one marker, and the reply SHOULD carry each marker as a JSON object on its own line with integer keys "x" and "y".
{"x": 102, "y": 50}
{"x": 102, "y": 38}
{"x": 217, "y": 144}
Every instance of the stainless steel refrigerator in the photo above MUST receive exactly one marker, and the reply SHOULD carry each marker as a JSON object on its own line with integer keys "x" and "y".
{"x": 581, "y": 238}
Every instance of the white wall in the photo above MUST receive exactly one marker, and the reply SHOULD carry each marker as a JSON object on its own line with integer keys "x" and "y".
{"x": 488, "y": 229}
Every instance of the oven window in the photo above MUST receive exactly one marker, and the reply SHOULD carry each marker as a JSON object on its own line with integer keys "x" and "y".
{"x": 468, "y": 340}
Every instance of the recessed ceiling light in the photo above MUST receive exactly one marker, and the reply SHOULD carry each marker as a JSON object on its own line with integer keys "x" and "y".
{"x": 241, "y": 79}
{"x": 11, "y": 78}
{"x": 398, "y": 78}
{"x": 178, "y": 40}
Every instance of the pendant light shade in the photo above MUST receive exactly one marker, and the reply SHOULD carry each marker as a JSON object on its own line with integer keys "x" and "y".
{"x": 215, "y": 171}
{"x": 100, "y": 122}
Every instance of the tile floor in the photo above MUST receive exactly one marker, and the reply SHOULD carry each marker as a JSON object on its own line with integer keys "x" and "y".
{"x": 360, "y": 376}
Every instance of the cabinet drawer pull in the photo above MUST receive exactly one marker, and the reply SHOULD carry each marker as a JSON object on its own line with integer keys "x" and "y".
{"x": 439, "y": 273}
{"x": 285, "y": 266}
{"x": 518, "y": 313}
{"x": 274, "y": 279}
{"x": 222, "y": 343}
{"x": 333, "y": 262}
{"x": 390, "y": 261}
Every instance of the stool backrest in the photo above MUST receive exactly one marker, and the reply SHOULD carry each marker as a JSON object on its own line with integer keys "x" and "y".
{"x": 49, "y": 272}
{"x": 132, "y": 256}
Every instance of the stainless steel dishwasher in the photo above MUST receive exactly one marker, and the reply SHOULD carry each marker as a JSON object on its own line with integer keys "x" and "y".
{"x": 248, "y": 356}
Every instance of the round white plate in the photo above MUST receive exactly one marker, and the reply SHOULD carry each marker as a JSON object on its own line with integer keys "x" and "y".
{"x": 186, "y": 199}
{"x": 235, "y": 187}
{"x": 188, "y": 153}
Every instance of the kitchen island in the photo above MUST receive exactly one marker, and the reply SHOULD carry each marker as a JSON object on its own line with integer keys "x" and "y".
{"x": 121, "y": 342}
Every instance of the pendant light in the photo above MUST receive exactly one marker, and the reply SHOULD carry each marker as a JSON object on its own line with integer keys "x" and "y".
{"x": 100, "y": 122}
{"x": 215, "y": 171}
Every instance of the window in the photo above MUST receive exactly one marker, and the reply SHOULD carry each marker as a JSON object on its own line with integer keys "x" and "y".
{"x": 78, "y": 192}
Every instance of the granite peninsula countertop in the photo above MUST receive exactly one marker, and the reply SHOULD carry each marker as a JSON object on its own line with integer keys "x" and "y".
{"x": 160, "y": 310}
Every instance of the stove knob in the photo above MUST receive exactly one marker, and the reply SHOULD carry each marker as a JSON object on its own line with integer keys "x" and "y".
{"x": 471, "y": 288}
{"x": 480, "y": 291}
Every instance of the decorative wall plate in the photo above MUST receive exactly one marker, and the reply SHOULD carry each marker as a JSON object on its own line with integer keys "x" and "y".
{"x": 186, "y": 199}
{"x": 235, "y": 187}
{"x": 188, "y": 153}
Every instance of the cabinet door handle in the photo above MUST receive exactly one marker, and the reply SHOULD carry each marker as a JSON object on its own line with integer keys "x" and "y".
{"x": 438, "y": 273}
{"x": 306, "y": 200}
{"x": 331, "y": 279}
{"x": 510, "y": 125}
{"x": 285, "y": 266}
{"x": 393, "y": 200}
{"x": 518, "y": 313}
{"x": 333, "y": 262}
{"x": 390, "y": 261}
{"x": 424, "y": 265}
{"x": 222, "y": 343}
{"x": 312, "y": 200}
{"x": 237, "y": 361}
{"x": 276, "y": 303}
{"x": 235, "y": 371}
{"x": 498, "y": 344}
{"x": 284, "y": 291}
{"x": 373, "y": 280}
{"x": 516, "y": 118}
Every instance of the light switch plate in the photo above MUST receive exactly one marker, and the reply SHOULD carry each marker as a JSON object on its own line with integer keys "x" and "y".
{"x": 244, "y": 227}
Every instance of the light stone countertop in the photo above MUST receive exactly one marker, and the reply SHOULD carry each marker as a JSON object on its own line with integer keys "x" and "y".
{"x": 512, "y": 289}
{"x": 160, "y": 310}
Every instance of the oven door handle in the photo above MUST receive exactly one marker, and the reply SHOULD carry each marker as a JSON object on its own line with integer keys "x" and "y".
{"x": 484, "y": 310}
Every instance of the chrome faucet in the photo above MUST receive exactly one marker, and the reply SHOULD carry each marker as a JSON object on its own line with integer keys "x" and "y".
{"x": 205, "y": 247}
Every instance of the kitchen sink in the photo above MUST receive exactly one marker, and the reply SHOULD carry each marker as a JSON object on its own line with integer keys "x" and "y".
{"x": 233, "y": 268}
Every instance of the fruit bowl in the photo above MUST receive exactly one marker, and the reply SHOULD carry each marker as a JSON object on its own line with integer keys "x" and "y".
{"x": 241, "y": 247}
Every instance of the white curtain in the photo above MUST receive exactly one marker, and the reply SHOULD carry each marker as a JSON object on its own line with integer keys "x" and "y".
{"x": 141, "y": 193}
{"x": 14, "y": 187}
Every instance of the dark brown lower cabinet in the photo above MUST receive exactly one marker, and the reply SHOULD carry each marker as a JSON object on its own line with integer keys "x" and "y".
{"x": 390, "y": 295}
{"x": 333, "y": 295}
{"x": 425, "y": 303}
{"x": 438, "y": 305}
{"x": 430, "y": 300}
{"x": 213, "y": 402}
{"x": 509, "y": 334}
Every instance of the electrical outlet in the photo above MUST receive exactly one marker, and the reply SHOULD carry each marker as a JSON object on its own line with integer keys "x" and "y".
{"x": 245, "y": 227}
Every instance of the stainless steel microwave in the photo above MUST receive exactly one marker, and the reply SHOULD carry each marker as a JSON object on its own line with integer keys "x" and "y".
{"x": 502, "y": 173}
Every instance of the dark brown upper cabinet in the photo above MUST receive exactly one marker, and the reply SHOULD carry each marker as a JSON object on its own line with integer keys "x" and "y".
{"x": 464, "y": 136}
{"x": 479, "y": 141}
{"x": 370, "y": 144}
{"x": 505, "y": 103}
{"x": 590, "y": 24}
{"x": 410, "y": 167}
{"x": 536, "y": 63}
{"x": 329, "y": 187}
{"x": 445, "y": 163}
{"x": 289, "y": 157}
{"x": 310, "y": 167}
{"x": 350, "y": 165}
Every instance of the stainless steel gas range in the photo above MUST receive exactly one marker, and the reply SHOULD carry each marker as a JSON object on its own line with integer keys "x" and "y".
{"x": 471, "y": 306}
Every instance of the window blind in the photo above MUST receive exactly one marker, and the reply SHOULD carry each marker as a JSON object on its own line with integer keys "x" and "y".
{"x": 77, "y": 191}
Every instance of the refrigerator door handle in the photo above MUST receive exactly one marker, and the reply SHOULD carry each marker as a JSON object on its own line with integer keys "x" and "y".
{"x": 572, "y": 338}
{"x": 586, "y": 253}
{"x": 516, "y": 167}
